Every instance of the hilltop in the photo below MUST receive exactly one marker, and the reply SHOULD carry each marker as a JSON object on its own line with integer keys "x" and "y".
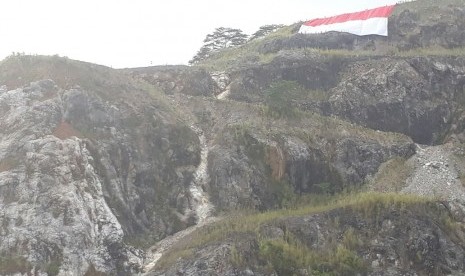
{"x": 418, "y": 28}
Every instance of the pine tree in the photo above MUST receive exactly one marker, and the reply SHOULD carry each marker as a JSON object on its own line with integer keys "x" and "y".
{"x": 265, "y": 30}
{"x": 221, "y": 38}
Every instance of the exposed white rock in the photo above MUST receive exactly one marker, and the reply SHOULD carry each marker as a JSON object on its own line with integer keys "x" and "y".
{"x": 201, "y": 205}
{"x": 223, "y": 81}
{"x": 52, "y": 207}
{"x": 221, "y": 78}
{"x": 156, "y": 252}
{"x": 223, "y": 95}
{"x": 434, "y": 174}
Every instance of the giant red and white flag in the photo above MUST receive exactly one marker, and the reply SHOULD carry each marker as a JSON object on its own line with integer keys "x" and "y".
{"x": 374, "y": 21}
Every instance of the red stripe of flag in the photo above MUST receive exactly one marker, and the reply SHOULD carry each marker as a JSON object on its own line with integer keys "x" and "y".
{"x": 364, "y": 15}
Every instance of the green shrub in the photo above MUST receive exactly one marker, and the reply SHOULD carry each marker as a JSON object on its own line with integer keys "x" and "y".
{"x": 236, "y": 258}
{"x": 346, "y": 262}
{"x": 323, "y": 188}
{"x": 283, "y": 193}
{"x": 350, "y": 240}
{"x": 279, "y": 97}
{"x": 53, "y": 268}
{"x": 368, "y": 204}
{"x": 285, "y": 258}
{"x": 288, "y": 258}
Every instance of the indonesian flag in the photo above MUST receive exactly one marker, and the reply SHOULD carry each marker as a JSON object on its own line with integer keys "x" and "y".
{"x": 374, "y": 21}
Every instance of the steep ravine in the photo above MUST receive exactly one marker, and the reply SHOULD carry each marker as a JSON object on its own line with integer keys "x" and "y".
{"x": 200, "y": 206}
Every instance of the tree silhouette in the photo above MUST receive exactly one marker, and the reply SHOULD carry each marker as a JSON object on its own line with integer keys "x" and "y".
{"x": 221, "y": 38}
{"x": 265, "y": 30}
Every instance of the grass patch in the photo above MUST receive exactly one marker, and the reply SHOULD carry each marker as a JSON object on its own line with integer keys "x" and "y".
{"x": 237, "y": 57}
{"x": 426, "y": 8}
{"x": 169, "y": 259}
{"x": 391, "y": 176}
{"x": 431, "y": 51}
{"x": 19, "y": 70}
{"x": 368, "y": 204}
{"x": 288, "y": 257}
{"x": 390, "y": 51}
{"x": 236, "y": 259}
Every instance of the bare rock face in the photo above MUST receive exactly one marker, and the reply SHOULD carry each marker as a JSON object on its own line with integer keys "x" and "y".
{"x": 79, "y": 176}
{"x": 313, "y": 72}
{"x": 144, "y": 159}
{"x": 53, "y": 210}
{"x": 179, "y": 79}
{"x": 419, "y": 97}
{"x": 253, "y": 169}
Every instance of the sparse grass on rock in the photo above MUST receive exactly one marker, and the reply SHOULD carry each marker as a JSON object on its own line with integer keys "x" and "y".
{"x": 367, "y": 204}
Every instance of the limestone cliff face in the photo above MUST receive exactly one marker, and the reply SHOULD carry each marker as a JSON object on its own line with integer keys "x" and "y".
{"x": 87, "y": 176}
{"x": 421, "y": 97}
{"x": 145, "y": 160}
{"x": 54, "y": 213}
{"x": 258, "y": 169}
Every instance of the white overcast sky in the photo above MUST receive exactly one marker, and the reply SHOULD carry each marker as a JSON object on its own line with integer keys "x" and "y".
{"x": 132, "y": 33}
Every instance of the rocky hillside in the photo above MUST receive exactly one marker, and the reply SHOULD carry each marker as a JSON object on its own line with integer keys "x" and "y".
{"x": 91, "y": 162}
{"x": 365, "y": 234}
{"x": 255, "y": 162}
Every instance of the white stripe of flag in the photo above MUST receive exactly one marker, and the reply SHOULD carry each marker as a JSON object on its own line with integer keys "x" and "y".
{"x": 374, "y": 21}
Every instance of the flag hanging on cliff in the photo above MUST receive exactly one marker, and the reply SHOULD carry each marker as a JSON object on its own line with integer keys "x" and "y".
{"x": 374, "y": 21}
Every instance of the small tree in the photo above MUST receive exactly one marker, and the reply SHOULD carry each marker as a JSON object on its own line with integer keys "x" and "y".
{"x": 221, "y": 38}
{"x": 202, "y": 54}
{"x": 265, "y": 30}
{"x": 279, "y": 98}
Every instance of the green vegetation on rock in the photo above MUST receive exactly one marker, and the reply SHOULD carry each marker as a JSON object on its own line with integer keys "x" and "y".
{"x": 370, "y": 205}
